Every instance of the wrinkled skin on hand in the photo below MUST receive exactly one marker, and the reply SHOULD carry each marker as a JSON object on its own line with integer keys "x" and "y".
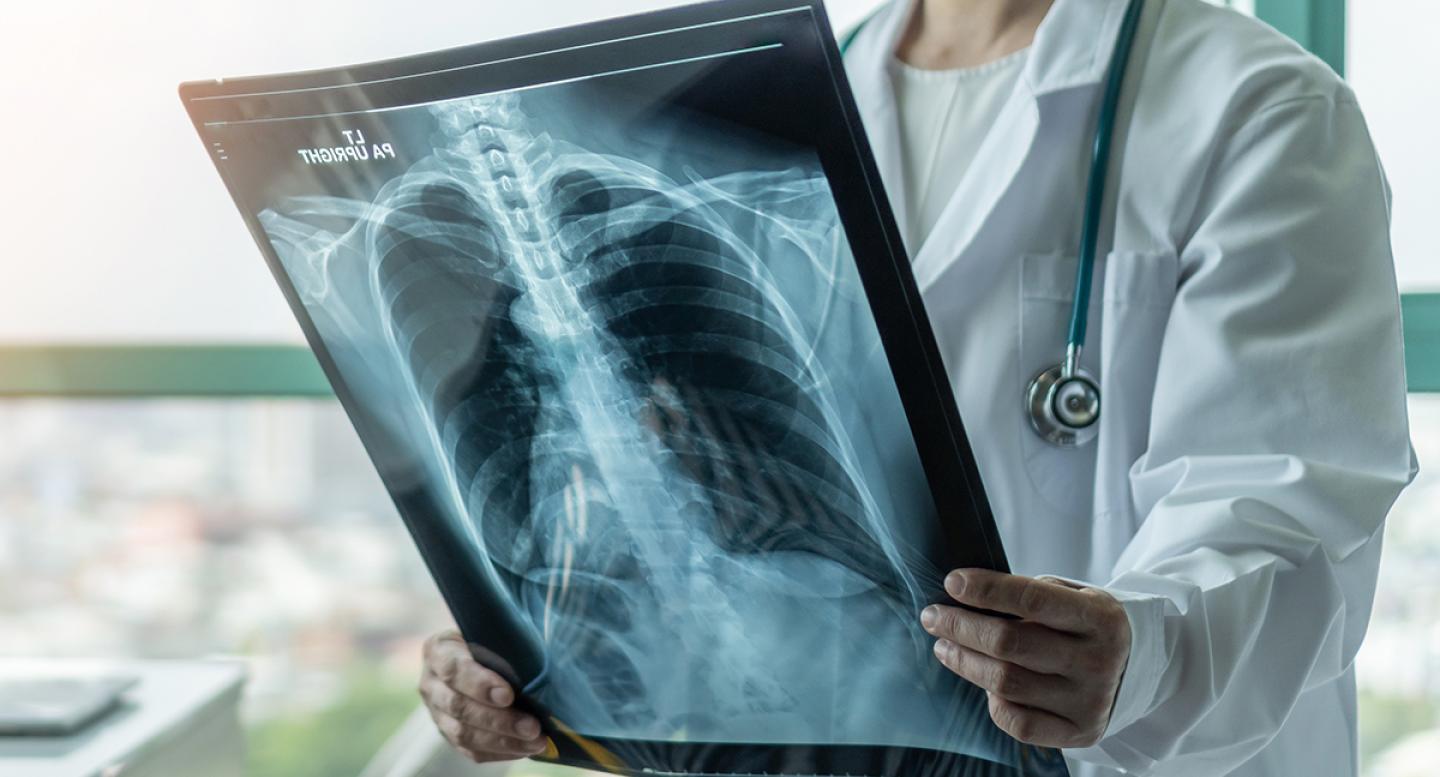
{"x": 471, "y": 705}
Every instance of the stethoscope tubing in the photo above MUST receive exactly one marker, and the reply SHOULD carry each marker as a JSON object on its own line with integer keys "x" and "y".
{"x": 1096, "y": 186}
{"x": 1070, "y": 427}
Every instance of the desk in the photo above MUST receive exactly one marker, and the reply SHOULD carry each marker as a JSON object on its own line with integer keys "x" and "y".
{"x": 181, "y": 718}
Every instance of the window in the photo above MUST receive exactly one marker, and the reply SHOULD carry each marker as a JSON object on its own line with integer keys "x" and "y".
{"x": 104, "y": 502}
{"x": 1390, "y": 58}
{"x": 105, "y": 127}
{"x": 1399, "y": 664}
{"x": 1393, "y": 63}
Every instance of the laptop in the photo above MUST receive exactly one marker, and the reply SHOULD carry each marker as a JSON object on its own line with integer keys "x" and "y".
{"x": 58, "y": 706}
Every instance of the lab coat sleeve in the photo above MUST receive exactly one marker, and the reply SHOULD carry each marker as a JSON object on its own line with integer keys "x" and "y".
{"x": 1278, "y": 442}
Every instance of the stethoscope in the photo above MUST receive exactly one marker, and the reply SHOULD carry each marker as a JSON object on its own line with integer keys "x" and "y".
{"x": 1063, "y": 402}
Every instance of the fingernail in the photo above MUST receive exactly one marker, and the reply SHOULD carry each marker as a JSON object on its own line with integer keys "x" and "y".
{"x": 955, "y": 584}
{"x": 942, "y": 648}
{"x": 928, "y": 616}
{"x": 528, "y": 728}
{"x": 500, "y": 696}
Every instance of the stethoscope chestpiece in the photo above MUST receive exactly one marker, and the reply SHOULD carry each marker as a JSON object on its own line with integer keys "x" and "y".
{"x": 1064, "y": 401}
{"x": 1064, "y": 410}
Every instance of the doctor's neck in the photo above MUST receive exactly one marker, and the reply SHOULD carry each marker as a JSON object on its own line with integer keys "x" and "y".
{"x": 946, "y": 34}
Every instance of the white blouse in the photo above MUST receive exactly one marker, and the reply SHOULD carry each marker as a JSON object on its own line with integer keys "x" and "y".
{"x": 944, "y": 117}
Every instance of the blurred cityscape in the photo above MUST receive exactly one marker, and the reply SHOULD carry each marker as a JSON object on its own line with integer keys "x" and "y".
{"x": 175, "y": 528}
{"x": 1399, "y": 664}
{"x": 257, "y": 528}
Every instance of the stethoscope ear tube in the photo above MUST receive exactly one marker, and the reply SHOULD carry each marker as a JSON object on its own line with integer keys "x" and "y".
{"x": 1064, "y": 401}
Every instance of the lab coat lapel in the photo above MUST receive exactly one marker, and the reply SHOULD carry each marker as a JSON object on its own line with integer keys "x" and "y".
{"x": 868, "y": 67}
{"x": 990, "y": 175}
{"x": 1072, "y": 49}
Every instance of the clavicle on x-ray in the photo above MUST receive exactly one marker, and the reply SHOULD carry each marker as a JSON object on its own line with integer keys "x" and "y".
{"x": 610, "y": 349}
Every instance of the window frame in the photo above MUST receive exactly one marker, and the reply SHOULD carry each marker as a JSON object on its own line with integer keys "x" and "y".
{"x": 1318, "y": 25}
{"x": 291, "y": 371}
{"x": 1421, "y": 313}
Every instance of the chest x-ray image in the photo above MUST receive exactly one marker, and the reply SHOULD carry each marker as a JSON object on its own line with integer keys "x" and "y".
{"x": 623, "y": 322}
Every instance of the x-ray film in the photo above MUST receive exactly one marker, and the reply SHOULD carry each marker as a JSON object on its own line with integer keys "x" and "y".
{"x": 623, "y": 319}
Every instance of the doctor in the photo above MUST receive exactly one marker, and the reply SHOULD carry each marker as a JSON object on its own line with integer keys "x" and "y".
{"x": 1214, "y": 546}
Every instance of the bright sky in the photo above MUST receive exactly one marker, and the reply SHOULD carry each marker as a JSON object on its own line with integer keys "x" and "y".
{"x": 1395, "y": 69}
{"x": 116, "y": 226}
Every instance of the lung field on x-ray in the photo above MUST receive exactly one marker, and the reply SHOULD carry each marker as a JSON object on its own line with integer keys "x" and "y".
{"x": 629, "y": 416}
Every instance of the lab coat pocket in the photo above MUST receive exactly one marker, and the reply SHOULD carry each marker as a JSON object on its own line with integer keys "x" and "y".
{"x": 1140, "y": 290}
{"x": 1132, "y": 292}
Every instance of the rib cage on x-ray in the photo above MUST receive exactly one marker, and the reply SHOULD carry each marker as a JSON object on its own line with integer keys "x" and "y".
{"x": 631, "y": 417}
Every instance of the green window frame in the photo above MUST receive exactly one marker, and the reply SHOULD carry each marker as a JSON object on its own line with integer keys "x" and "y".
{"x": 1318, "y": 25}
{"x": 291, "y": 371}
{"x": 1422, "y": 341}
{"x": 202, "y": 370}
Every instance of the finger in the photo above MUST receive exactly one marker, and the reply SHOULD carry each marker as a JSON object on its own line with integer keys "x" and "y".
{"x": 448, "y": 657}
{"x": 441, "y": 697}
{"x": 1030, "y": 645}
{"x": 482, "y": 684}
{"x": 439, "y": 641}
{"x": 1006, "y": 680}
{"x": 445, "y": 653}
{"x": 485, "y": 745}
{"x": 1033, "y": 726}
{"x": 484, "y": 741}
{"x": 1056, "y": 606}
{"x": 1060, "y": 581}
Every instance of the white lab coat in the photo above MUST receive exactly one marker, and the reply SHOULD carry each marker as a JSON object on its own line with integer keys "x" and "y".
{"x": 1246, "y": 333}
